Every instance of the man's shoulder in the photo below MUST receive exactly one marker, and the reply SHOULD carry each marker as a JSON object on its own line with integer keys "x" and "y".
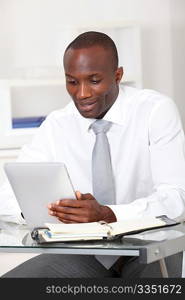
{"x": 68, "y": 112}
{"x": 146, "y": 97}
{"x": 144, "y": 94}
{"x": 148, "y": 102}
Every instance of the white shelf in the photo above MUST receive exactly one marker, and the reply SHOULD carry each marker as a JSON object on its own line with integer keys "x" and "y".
{"x": 9, "y": 83}
{"x": 9, "y": 153}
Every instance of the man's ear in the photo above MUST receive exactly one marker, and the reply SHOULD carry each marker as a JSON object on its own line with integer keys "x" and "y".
{"x": 119, "y": 74}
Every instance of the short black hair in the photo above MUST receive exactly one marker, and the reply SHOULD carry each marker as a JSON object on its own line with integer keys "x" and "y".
{"x": 94, "y": 38}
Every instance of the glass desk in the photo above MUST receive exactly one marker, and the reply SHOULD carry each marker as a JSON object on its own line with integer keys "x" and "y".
{"x": 150, "y": 246}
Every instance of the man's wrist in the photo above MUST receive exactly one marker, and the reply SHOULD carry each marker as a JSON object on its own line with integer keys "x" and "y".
{"x": 107, "y": 214}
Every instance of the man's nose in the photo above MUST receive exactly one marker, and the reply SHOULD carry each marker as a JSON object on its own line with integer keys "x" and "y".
{"x": 84, "y": 91}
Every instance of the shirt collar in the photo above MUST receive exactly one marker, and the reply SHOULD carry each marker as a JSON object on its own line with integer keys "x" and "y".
{"x": 116, "y": 114}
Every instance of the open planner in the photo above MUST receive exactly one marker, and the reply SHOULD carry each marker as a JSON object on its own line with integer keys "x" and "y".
{"x": 61, "y": 232}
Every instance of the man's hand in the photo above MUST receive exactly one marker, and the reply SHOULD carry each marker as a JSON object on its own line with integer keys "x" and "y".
{"x": 84, "y": 209}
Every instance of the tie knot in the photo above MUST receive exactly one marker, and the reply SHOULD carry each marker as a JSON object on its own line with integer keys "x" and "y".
{"x": 100, "y": 126}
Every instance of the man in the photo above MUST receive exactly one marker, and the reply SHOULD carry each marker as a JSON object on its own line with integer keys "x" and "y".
{"x": 146, "y": 145}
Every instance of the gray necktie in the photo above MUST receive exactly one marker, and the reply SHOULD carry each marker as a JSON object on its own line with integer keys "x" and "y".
{"x": 102, "y": 175}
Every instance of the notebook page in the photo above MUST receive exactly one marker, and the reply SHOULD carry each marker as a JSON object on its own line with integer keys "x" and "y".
{"x": 135, "y": 224}
{"x": 93, "y": 227}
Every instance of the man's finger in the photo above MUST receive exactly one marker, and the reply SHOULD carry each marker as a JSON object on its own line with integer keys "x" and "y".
{"x": 86, "y": 196}
{"x": 78, "y": 195}
{"x": 70, "y": 218}
{"x": 69, "y": 210}
{"x": 66, "y": 202}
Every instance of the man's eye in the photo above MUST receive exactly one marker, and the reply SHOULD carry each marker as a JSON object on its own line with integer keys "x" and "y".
{"x": 73, "y": 82}
{"x": 95, "y": 81}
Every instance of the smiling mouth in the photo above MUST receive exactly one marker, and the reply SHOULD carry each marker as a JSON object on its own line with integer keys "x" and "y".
{"x": 87, "y": 106}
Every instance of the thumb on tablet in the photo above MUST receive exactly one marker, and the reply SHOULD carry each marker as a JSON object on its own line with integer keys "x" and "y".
{"x": 78, "y": 195}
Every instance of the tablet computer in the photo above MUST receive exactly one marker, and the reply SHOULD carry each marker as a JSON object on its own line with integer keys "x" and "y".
{"x": 35, "y": 185}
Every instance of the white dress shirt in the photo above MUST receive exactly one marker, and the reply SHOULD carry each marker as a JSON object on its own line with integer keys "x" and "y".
{"x": 147, "y": 152}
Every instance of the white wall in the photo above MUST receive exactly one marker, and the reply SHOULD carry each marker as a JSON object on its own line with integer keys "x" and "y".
{"x": 177, "y": 13}
{"x": 33, "y": 34}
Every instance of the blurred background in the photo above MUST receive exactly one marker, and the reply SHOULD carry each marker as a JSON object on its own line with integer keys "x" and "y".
{"x": 149, "y": 34}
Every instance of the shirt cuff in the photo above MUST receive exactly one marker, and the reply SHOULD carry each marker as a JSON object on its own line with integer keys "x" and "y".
{"x": 129, "y": 211}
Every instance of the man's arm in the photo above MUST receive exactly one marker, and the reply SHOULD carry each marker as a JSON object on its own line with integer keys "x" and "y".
{"x": 38, "y": 150}
{"x": 166, "y": 145}
{"x": 9, "y": 208}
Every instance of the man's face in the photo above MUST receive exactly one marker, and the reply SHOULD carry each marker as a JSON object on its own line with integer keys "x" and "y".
{"x": 91, "y": 80}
